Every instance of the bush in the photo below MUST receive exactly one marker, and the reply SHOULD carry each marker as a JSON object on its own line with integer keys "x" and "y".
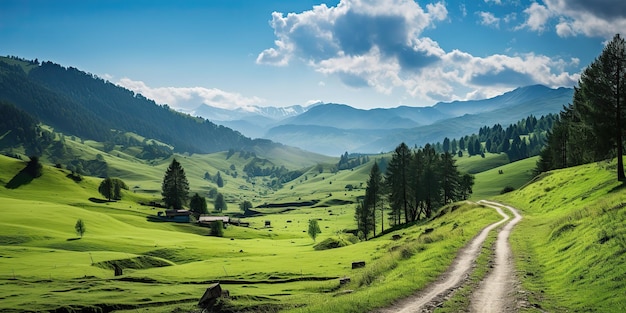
{"x": 217, "y": 229}
{"x": 334, "y": 242}
{"x": 507, "y": 189}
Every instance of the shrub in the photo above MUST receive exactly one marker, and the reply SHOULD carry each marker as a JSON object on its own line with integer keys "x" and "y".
{"x": 217, "y": 229}
{"x": 506, "y": 189}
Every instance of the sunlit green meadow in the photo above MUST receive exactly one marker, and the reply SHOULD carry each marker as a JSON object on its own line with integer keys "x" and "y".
{"x": 45, "y": 265}
{"x": 570, "y": 248}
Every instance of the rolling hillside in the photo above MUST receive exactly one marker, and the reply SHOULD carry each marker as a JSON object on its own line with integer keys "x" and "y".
{"x": 570, "y": 247}
{"x": 80, "y": 104}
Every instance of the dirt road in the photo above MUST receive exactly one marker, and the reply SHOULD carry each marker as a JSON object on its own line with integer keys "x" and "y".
{"x": 495, "y": 293}
{"x": 490, "y": 297}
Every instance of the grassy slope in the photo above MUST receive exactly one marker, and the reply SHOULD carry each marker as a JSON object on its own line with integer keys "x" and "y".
{"x": 490, "y": 183}
{"x": 43, "y": 265}
{"x": 570, "y": 248}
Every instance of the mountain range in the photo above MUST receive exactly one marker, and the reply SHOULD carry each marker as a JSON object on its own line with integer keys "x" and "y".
{"x": 84, "y": 105}
{"x": 332, "y": 129}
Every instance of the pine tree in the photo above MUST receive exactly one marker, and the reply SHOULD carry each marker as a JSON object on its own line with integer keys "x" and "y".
{"x": 373, "y": 193}
{"x": 602, "y": 89}
{"x": 397, "y": 178}
{"x": 449, "y": 179}
{"x": 175, "y": 187}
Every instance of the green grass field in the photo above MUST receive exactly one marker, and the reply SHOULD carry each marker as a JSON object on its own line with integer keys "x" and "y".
{"x": 570, "y": 248}
{"x": 44, "y": 265}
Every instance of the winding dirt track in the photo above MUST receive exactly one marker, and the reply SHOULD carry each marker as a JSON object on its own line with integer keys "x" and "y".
{"x": 495, "y": 292}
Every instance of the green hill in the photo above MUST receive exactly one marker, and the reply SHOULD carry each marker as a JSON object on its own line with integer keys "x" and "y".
{"x": 570, "y": 248}
{"x": 45, "y": 266}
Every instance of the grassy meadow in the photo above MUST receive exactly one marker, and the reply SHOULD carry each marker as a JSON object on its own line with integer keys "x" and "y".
{"x": 44, "y": 265}
{"x": 570, "y": 247}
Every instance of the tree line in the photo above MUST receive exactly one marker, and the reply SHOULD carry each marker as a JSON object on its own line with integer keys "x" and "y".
{"x": 519, "y": 140}
{"x": 591, "y": 128}
{"x": 414, "y": 184}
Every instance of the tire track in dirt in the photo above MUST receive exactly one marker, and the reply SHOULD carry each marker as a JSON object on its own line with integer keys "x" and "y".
{"x": 451, "y": 279}
{"x": 495, "y": 293}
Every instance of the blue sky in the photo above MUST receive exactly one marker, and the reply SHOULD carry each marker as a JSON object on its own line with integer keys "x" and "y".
{"x": 365, "y": 53}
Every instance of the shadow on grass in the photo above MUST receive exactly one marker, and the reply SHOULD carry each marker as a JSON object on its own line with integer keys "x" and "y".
{"x": 96, "y": 200}
{"x": 20, "y": 179}
{"x": 72, "y": 239}
{"x": 618, "y": 187}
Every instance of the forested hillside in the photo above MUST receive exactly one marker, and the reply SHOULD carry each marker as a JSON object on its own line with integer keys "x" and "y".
{"x": 81, "y": 104}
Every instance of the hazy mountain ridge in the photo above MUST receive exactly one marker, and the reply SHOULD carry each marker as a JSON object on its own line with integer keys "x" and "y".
{"x": 332, "y": 129}
{"x": 413, "y": 125}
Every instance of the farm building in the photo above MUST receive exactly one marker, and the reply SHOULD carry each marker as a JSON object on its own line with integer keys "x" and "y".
{"x": 206, "y": 220}
{"x": 179, "y": 216}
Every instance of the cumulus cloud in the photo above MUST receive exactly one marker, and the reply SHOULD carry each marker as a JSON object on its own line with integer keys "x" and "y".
{"x": 537, "y": 17}
{"x": 488, "y": 19}
{"x": 187, "y": 99}
{"x": 380, "y": 45}
{"x": 601, "y": 18}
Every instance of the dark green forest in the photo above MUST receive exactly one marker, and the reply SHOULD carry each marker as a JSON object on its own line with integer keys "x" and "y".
{"x": 591, "y": 128}
{"x": 81, "y": 104}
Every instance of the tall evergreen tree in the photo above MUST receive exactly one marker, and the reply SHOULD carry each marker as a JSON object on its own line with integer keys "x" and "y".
{"x": 450, "y": 176}
{"x": 397, "y": 178}
{"x": 363, "y": 217}
{"x": 602, "y": 89}
{"x": 373, "y": 193}
{"x": 175, "y": 187}
{"x": 591, "y": 128}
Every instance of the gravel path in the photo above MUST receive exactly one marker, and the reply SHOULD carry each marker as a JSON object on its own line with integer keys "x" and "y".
{"x": 427, "y": 299}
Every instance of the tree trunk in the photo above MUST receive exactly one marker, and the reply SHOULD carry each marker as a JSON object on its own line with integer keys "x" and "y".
{"x": 618, "y": 117}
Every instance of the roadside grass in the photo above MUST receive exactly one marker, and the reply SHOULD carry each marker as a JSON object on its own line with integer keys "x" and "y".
{"x": 408, "y": 265}
{"x": 570, "y": 247}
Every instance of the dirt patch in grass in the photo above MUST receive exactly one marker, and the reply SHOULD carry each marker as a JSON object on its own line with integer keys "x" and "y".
{"x": 288, "y": 204}
{"x": 140, "y": 262}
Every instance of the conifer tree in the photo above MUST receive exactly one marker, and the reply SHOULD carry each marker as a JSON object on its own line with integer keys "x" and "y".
{"x": 175, "y": 187}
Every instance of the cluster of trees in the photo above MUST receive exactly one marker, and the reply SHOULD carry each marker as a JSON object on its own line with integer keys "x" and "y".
{"x": 414, "y": 184}
{"x": 591, "y": 128}
{"x": 347, "y": 162}
{"x": 175, "y": 192}
{"x": 519, "y": 140}
{"x": 111, "y": 188}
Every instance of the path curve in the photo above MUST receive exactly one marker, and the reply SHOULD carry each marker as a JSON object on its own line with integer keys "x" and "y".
{"x": 495, "y": 293}
{"x": 453, "y": 277}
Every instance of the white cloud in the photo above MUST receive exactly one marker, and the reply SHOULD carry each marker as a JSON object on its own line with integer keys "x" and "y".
{"x": 488, "y": 19}
{"x": 537, "y": 17}
{"x": 187, "y": 99}
{"x": 600, "y": 18}
{"x": 379, "y": 45}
